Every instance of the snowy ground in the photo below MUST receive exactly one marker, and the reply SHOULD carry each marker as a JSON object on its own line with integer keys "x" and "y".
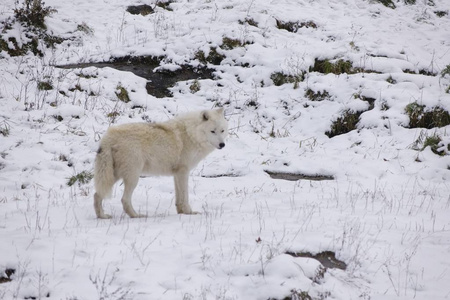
{"x": 386, "y": 213}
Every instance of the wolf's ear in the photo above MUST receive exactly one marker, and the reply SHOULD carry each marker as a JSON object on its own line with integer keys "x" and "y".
{"x": 205, "y": 115}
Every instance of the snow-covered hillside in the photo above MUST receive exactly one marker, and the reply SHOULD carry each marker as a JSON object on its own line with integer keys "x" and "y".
{"x": 293, "y": 76}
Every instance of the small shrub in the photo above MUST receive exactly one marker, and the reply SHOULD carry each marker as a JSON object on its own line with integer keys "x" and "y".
{"x": 420, "y": 118}
{"x": 122, "y": 94}
{"x": 58, "y": 118}
{"x": 308, "y": 24}
{"x": 434, "y": 142}
{"x": 288, "y": 26}
{"x": 112, "y": 116}
{"x": 3, "y": 45}
{"x": 276, "y": 133}
{"x": 201, "y": 56}
{"x": 295, "y": 26}
{"x": 344, "y": 124}
{"x": 51, "y": 40}
{"x": 445, "y": 71}
{"x": 391, "y": 80}
{"x": 229, "y": 43}
{"x": 252, "y": 103}
{"x": 76, "y": 88}
{"x": 32, "y": 45}
{"x": 83, "y": 27}
{"x": 249, "y": 21}
{"x": 4, "y": 129}
{"x": 387, "y": 3}
{"x": 339, "y": 67}
{"x": 296, "y": 295}
{"x": 441, "y": 13}
{"x": 316, "y": 96}
{"x": 213, "y": 57}
{"x": 426, "y": 72}
{"x": 86, "y": 76}
{"x": 82, "y": 178}
{"x": 15, "y": 51}
{"x": 369, "y": 100}
{"x": 319, "y": 274}
{"x": 33, "y": 13}
{"x": 384, "y": 105}
{"x": 64, "y": 158}
{"x": 164, "y": 5}
{"x": 195, "y": 86}
{"x": 410, "y": 2}
{"x": 6, "y": 24}
{"x": 415, "y": 112}
{"x": 32, "y": 16}
{"x": 279, "y": 78}
{"x": 44, "y": 86}
{"x": 353, "y": 46}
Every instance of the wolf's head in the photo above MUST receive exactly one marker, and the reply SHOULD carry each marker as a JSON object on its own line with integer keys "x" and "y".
{"x": 214, "y": 127}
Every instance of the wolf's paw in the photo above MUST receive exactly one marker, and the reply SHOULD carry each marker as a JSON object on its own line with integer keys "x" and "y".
{"x": 104, "y": 216}
{"x": 190, "y": 212}
{"x": 139, "y": 216}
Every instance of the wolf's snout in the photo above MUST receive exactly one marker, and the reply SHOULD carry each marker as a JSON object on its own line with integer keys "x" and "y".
{"x": 221, "y": 145}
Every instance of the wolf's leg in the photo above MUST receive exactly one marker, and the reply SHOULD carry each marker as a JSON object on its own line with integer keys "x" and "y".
{"x": 182, "y": 193}
{"x": 99, "y": 208}
{"x": 130, "y": 184}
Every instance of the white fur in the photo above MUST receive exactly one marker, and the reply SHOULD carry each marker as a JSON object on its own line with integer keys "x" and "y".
{"x": 173, "y": 147}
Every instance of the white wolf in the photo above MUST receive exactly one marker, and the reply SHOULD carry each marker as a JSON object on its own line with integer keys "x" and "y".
{"x": 173, "y": 147}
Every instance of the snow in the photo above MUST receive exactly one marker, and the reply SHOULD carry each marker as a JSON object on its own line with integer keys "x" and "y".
{"x": 386, "y": 213}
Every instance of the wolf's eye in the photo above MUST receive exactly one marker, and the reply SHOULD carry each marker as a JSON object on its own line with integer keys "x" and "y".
{"x": 213, "y": 131}
{"x": 222, "y": 130}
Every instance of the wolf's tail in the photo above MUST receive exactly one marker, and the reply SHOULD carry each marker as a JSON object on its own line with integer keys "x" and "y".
{"x": 104, "y": 172}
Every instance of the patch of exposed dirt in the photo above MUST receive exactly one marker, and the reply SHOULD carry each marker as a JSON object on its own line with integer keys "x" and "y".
{"x": 160, "y": 81}
{"x": 143, "y": 9}
{"x": 326, "y": 258}
{"x": 221, "y": 175}
{"x": 297, "y": 176}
